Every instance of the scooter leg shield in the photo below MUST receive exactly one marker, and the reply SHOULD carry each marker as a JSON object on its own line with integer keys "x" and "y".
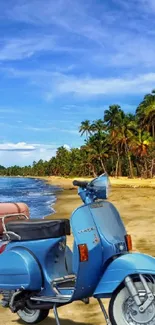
{"x": 19, "y": 269}
{"x": 120, "y": 268}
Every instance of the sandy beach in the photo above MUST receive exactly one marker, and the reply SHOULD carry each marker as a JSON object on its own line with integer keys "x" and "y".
{"x": 67, "y": 183}
{"x": 135, "y": 200}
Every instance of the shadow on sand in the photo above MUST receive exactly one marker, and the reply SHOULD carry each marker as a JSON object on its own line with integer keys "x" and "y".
{"x": 51, "y": 321}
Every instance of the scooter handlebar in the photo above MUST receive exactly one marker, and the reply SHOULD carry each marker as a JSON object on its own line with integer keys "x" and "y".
{"x": 80, "y": 183}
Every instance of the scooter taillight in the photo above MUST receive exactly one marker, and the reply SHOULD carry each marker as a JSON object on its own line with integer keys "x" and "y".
{"x": 2, "y": 248}
{"x": 83, "y": 252}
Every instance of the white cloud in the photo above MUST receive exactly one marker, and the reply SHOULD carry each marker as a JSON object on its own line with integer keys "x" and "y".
{"x": 130, "y": 53}
{"x": 54, "y": 125}
{"x": 147, "y": 5}
{"x": 19, "y": 48}
{"x": 101, "y": 34}
{"x": 103, "y": 25}
{"x": 58, "y": 84}
{"x": 34, "y": 73}
{"x": 70, "y": 131}
{"x": 37, "y": 129}
{"x": 7, "y": 110}
{"x": 99, "y": 23}
{"x": 66, "y": 146}
{"x": 72, "y": 16}
{"x": 24, "y": 154}
{"x": 20, "y": 146}
{"x": 52, "y": 128}
{"x": 104, "y": 86}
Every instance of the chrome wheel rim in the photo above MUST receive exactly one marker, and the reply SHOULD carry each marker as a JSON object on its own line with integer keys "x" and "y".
{"x": 29, "y": 316}
{"x": 132, "y": 314}
{"x": 29, "y": 311}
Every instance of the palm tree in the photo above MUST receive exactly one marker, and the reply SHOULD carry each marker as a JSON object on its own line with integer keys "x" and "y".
{"x": 87, "y": 161}
{"x": 85, "y": 128}
{"x": 146, "y": 113}
{"x": 98, "y": 148}
{"x": 113, "y": 118}
{"x": 98, "y": 126}
{"x": 140, "y": 147}
{"x": 141, "y": 143}
{"x": 127, "y": 134}
{"x": 151, "y": 158}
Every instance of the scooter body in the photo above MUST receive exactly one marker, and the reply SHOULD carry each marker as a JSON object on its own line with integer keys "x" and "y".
{"x": 42, "y": 274}
{"x": 36, "y": 263}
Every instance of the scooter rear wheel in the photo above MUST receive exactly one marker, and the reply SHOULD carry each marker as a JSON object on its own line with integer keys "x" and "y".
{"x": 32, "y": 316}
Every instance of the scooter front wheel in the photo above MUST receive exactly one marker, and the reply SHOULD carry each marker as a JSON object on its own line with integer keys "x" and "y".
{"x": 32, "y": 316}
{"x": 124, "y": 311}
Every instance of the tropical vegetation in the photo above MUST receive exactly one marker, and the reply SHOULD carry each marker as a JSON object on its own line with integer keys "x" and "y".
{"x": 119, "y": 143}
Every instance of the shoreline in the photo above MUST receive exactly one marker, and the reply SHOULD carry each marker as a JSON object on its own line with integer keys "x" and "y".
{"x": 66, "y": 183}
{"x": 67, "y": 199}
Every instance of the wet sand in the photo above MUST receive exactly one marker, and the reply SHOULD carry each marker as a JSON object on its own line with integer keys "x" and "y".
{"x": 135, "y": 200}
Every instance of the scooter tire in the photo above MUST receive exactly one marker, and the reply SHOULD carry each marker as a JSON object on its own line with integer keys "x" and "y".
{"x": 119, "y": 310}
{"x": 33, "y": 316}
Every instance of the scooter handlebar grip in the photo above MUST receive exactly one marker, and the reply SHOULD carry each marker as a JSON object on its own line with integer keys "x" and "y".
{"x": 80, "y": 183}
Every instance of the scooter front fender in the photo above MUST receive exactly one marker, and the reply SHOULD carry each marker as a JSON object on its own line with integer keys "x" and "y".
{"x": 120, "y": 268}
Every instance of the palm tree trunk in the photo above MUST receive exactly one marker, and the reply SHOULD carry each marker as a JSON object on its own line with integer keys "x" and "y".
{"x": 153, "y": 130}
{"x": 93, "y": 170}
{"x": 130, "y": 166}
{"x": 102, "y": 164}
{"x": 146, "y": 169}
{"x": 129, "y": 160}
{"x": 152, "y": 167}
{"x": 117, "y": 163}
{"x": 120, "y": 168}
{"x": 137, "y": 170}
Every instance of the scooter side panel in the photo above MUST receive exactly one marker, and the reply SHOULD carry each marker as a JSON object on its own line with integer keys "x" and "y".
{"x": 19, "y": 269}
{"x": 110, "y": 227}
{"x": 120, "y": 268}
{"x": 87, "y": 272}
{"x": 51, "y": 257}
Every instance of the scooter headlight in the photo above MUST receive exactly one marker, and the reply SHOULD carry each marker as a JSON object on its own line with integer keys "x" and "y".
{"x": 101, "y": 186}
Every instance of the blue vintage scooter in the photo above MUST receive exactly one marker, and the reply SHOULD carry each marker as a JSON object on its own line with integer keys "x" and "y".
{"x": 38, "y": 272}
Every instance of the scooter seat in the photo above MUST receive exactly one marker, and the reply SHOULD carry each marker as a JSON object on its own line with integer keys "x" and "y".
{"x": 37, "y": 229}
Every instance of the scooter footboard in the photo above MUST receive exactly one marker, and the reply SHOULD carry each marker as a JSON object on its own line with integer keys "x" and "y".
{"x": 120, "y": 268}
{"x": 19, "y": 269}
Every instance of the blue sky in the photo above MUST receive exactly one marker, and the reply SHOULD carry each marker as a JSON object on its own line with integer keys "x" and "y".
{"x": 64, "y": 61}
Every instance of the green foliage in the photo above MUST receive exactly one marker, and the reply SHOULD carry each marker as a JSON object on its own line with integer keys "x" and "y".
{"x": 121, "y": 144}
{"x": 146, "y": 113}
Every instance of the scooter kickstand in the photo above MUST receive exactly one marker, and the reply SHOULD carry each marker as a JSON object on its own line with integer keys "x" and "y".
{"x": 104, "y": 312}
{"x": 56, "y": 314}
